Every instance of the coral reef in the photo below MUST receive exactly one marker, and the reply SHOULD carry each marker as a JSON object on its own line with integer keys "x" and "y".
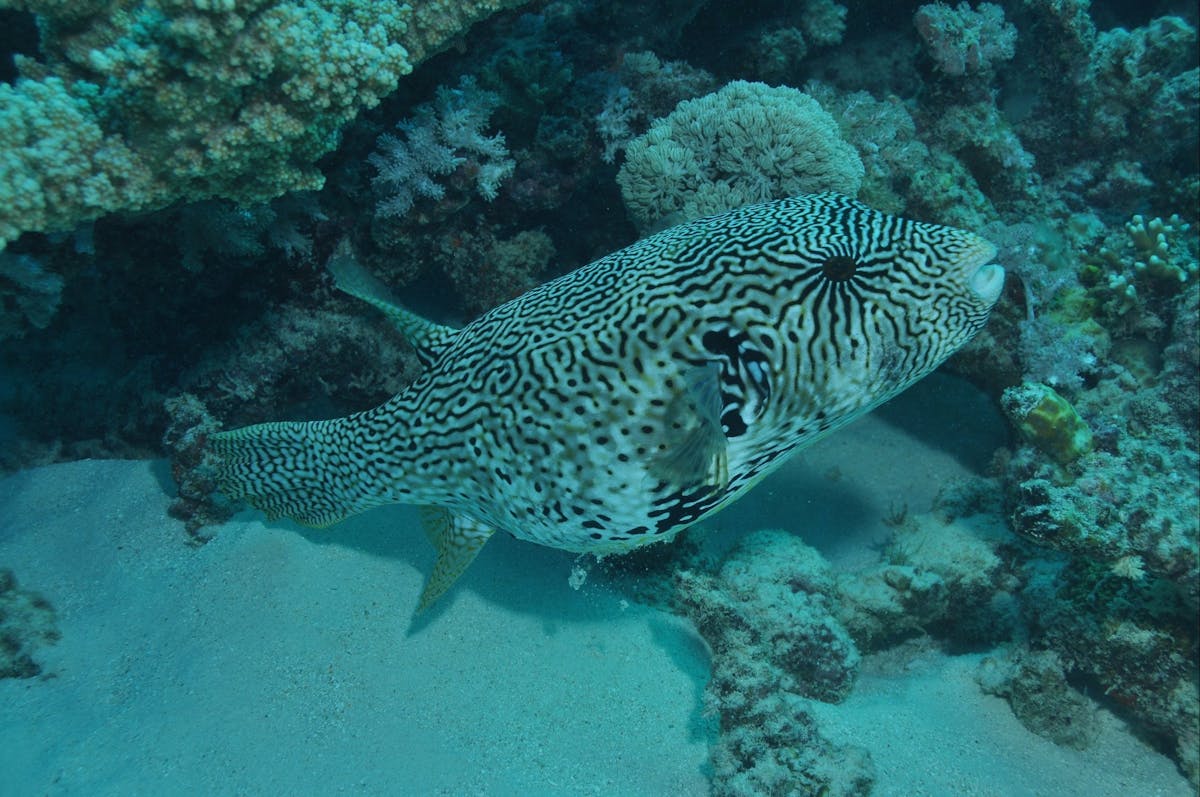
{"x": 1128, "y": 498}
{"x": 823, "y": 21}
{"x": 746, "y": 143}
{"x": 1127, "y": 96}
{"x": 197, "y": 504}
{"x": 486, "y": 271}
{"x": 962, "y": 40}
{"x": 939, "y": 575}
{"x": 649, "y": 89}
{"x": 1035, "y": 686}
{"x": 1130, "y": 635}
{"x": 218, "y": 229}
{"x": 1141, "y": 84}
{"x": 885, "y": 135}
{"x": 775, "y": 643}
{"x": 438, "y": 139}
{"x": 1065, "y": 131}
{"x": 27, "y": 622}
{"x": 1104, "y": 471}
{"x": 1126, "y": 492}
{"x": 784, "y": 627}
{"x": 770, "y": 599}
{"x": 293, "y": 356}
{"x": 29, "y": 294}
{"x": 958, "y": 575}
{"x": 173, "y": 100}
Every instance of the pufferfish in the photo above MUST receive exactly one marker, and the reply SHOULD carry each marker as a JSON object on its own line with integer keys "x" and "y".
{"x": 623, "y": 402}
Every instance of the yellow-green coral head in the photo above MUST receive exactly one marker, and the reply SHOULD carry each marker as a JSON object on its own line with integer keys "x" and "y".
{"x": 1048, "y": 421}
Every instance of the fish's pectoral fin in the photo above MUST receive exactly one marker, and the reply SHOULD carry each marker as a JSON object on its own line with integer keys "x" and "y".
{"x": 350, "y": 277}
{"x": 457, "y": 539}
{"x": 697, "y": 452}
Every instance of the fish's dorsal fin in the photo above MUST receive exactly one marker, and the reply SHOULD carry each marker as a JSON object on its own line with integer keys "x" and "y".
{"x": 697, "y": 453}
{"x": 457, "y": 539}
{"x": 428, "y": 338}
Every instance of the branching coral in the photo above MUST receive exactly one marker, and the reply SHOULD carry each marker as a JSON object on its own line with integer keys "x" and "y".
{"x": 1158, "y": 250}
{"x": 1139, "y": 271}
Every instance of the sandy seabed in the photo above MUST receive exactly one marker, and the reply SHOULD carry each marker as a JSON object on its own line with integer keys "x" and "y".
{"x": 280, "y": 660}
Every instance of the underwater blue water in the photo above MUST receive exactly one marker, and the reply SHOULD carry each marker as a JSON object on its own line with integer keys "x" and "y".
{"x": 989, "y": 585}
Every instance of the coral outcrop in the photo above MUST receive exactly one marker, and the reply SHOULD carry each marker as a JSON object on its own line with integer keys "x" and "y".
{"x": 767, "y": 616}
{"x": 746, "y": 143}
{"x": 1036, "y": 687}
{"x": 136, "y": 105}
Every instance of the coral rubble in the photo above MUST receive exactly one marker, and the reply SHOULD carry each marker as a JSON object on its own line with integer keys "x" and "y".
{"x": 27, "y": 622}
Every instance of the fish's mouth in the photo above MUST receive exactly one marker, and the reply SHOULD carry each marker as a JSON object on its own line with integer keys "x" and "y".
{"x": 985, "y": 278}
{"x": 987, "y": 282}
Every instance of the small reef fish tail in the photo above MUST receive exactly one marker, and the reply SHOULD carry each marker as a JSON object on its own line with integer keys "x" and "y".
{"x": 313, "y": 472}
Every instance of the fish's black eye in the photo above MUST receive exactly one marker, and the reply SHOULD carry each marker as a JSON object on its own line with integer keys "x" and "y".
{"x": 839, "y": 268}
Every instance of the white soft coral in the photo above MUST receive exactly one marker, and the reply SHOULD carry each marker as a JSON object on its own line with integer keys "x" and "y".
{"x": 439, "y": 138}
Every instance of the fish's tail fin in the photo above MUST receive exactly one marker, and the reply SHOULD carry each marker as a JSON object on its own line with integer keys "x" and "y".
{"x": 306, "y": 471}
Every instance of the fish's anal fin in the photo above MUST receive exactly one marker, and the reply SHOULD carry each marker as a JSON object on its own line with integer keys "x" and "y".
{"x": 697, "y": 453}
{"x": 349, "y": 276}
{"x": 457, "y": 539}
